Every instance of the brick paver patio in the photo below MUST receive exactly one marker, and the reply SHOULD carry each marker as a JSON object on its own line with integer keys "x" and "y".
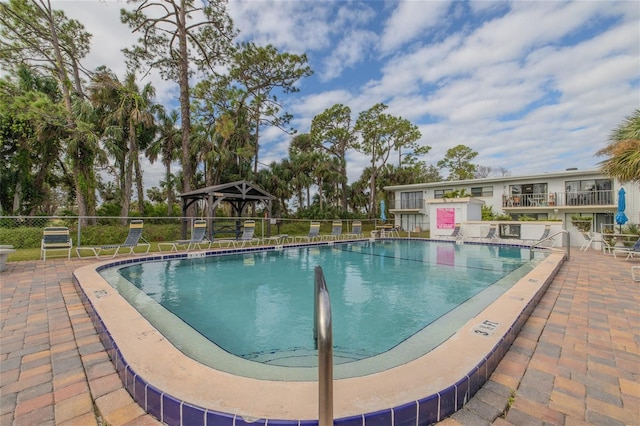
{"x": 576, "y": 361}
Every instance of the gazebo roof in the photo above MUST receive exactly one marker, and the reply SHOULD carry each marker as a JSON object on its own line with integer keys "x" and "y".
{"x": 240, "y": 190}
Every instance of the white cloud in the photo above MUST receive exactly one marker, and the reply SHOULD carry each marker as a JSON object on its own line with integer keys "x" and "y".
{"x": 409, "y": 20}
{"x": 532, "y": 86}
{"x": 294, "y": 26}
{"x": 352, "y": 49}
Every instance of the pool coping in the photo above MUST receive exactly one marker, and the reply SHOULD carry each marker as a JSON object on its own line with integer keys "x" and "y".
{"x": 175, "y": 388}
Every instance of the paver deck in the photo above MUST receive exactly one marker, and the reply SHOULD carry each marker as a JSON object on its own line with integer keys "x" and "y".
{"x": 576, "y": 361}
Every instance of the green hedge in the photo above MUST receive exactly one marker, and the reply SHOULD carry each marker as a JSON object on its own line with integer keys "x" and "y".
{"x": 22, "y": 237}
{"x": 26, "y": 237}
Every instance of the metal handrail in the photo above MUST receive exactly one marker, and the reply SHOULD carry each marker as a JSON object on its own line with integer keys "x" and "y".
{"x": 562, "y": 231}
{"x": 322, "y": 333}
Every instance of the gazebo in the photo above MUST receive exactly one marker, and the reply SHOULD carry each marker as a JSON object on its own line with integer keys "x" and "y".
{"x": 237, "y": 194}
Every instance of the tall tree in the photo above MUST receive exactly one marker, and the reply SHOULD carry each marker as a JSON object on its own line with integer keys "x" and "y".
{"x": 301, "y": 159}
{"x": 166, "y": 146}
{"x": 623, "y": 150}
{"x": 380, "y": 135}
{"x": 458, "y": 161}
{"x": 32, "y": 127}
{"x": 130, "y": 115}
{"x": 275, "y": 180}
{"x": 487, "y": 171}
{"x": 31, "y": 32}
{"x": 332, "y": 130}
{"x": 176, "y": 45}
{"x": 224, "y": 142}
{"x": 259, "y": 72}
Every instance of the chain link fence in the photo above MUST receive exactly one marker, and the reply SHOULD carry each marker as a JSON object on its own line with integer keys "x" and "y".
{"x": 23, "y": 232}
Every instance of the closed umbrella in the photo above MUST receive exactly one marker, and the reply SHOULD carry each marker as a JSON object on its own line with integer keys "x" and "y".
{"x": 621, "y": 218}
{"x": 383, "y": 216}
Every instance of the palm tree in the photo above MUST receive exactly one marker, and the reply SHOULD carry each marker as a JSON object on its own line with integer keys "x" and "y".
{"x": 167, "y": 145}
{"x": 276, "y": 181}
{"x": 623, "y": 151}
{"x": 130, "y": 114}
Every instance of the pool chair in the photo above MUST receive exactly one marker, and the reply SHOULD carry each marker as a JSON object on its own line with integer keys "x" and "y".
{"x": 336, "y": 231}
{"x": 588, "y": 240}
{"x": 631, "y": 252}
{"x": 491, "y": 234}
{"x": 55, "y": 238}
{"x": 390, "y": 231}
{"x": 545, "y": 234}
{"x": 356, "y": 230}
{"x": 314, "y": 233}
{"x": 198, "y": 239}
{"x": 133, "y": 240}
{"x": 456, "y": 234}
{"x": 247, "y": 236}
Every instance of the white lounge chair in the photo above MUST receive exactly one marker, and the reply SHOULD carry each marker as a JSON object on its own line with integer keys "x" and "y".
{"x": 336, "y": 231}
{"x": 198, "y": 239}
{"x": 314, "y": 233}
{"x": 356, "y": 230}
{"x": 456, "y": 234}
{"x": 631, "y": 252}
{"x": 133, "y": 241}
{"x": 247, "y": 236}
{"x": 491, "y": 234}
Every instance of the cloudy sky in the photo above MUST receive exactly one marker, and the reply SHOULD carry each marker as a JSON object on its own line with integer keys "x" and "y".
{"x": 532, "y": 86}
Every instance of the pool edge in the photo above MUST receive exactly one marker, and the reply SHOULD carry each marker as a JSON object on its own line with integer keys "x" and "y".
{"x": 450, "y": 396}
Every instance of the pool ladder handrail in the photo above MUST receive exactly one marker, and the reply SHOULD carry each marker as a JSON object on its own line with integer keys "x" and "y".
{"x": 562, "y": 231}
{"x": 322, "y": 334}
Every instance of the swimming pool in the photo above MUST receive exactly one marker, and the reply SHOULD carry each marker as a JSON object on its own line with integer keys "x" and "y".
{"x": 392, "y": 301}
{"x": 428, "y": 387}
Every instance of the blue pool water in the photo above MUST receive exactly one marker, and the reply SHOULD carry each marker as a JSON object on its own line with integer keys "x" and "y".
{"x": 259, "y": 305}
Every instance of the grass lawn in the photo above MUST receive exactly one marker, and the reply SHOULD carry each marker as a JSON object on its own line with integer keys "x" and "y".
{"x": 34, "y": 253}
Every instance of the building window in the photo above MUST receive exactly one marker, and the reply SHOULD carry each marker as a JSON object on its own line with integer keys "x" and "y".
{"x": 589, "y": 192}
{"x": 604, "y": 221}
{"x": 509, "y": 230}
{"x": 528, "y": 194}
{"x": 439, "y": 193}
{"x": 412, "y": 222}
{"x": 482, "y": 191}
{"x": 411, "y": 200}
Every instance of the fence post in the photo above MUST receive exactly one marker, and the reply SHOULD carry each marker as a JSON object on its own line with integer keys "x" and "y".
{"x": 78, "y": 242}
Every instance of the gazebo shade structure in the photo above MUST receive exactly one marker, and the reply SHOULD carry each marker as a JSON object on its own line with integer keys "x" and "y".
{"x": 238, "y": 194}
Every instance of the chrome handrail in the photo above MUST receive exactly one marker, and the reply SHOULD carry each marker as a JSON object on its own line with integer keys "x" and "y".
{"x": 562, "y": 231}
{"x": 322, "y": 333}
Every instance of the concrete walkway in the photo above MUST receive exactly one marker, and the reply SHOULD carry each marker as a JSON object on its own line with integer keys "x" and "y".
{"x": 576, "y": 361}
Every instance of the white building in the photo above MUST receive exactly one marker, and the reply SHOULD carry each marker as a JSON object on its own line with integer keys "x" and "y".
{"x": 547, "y": 196}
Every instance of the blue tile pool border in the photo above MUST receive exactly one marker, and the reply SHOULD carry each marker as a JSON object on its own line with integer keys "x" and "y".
{"x": 425, "y": 411}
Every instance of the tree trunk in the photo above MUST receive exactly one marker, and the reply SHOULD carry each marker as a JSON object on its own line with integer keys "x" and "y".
{"x": 185, "y": 109}
{"x": 169, "y": 188}
{"x": 343, "y": 167}
{"x": 372, "y": 198}
{"x": 17, "y": 198}
{"x": 139, "y": 185}
{"x": 82, "y": 180}
{"x": 128, "y": 178}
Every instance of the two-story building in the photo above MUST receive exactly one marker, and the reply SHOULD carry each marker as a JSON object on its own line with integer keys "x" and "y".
{"x": 547, "y": 196}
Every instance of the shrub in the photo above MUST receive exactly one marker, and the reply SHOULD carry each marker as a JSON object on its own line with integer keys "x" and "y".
{"x": 22, "y": 237}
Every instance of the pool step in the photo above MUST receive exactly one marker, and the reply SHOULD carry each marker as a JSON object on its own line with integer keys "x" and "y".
{"x": 303, "y": 357}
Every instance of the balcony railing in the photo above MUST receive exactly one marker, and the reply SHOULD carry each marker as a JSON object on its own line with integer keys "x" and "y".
{"x": 407, "y": 204}
{"x": 559, "y": 199}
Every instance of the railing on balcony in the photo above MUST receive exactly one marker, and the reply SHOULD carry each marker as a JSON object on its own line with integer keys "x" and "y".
{"x": 407, "y": 204}
{"x": 554, "y": 199}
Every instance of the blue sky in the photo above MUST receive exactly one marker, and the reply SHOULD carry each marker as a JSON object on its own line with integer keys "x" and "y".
{"x": 532, "y": 86}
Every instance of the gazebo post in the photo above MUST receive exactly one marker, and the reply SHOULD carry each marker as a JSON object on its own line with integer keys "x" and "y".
{"x": 238, "y": 194}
